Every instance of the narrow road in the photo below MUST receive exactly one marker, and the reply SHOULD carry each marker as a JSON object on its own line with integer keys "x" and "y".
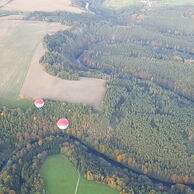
{"x": 77, "y": 185}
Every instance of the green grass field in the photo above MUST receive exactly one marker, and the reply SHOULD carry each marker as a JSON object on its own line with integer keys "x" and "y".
{"x": 17, "y": 48}
{"x": 118, "y": 4}
{"x": 61, "y": 178}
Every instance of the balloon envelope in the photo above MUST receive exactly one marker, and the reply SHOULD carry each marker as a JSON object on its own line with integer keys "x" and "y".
{"x": 63, "y": 123}
{"x": 39, "y": 103}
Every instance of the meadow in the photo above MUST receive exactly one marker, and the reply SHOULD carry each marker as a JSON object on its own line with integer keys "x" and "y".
{"x": 61, "y": 177}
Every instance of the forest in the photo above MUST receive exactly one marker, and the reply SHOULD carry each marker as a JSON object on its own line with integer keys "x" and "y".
{"x": 146, "y": 123}
{"x": 103, "y": 49}
{"x": 21, "y": 174}
{"x": 146, "y": 136}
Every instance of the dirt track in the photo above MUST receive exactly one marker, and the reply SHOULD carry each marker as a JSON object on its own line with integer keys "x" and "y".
{"x": 39, "y": 84}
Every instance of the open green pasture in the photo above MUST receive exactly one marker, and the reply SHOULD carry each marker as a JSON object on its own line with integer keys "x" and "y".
{"x": 61, "y": 178}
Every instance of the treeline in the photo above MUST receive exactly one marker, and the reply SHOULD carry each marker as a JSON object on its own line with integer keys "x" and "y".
{"x": 62, "y": 17}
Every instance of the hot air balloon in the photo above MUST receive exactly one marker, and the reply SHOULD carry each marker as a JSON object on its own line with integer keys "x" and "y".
{"x": 63, "y": 123}
{"x": 39, "y": 103}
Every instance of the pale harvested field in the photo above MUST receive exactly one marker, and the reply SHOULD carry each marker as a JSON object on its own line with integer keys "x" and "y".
{"x": 42, "y": 5}
{"x": 39, "y": 84}
{"x": 18, "y": 43}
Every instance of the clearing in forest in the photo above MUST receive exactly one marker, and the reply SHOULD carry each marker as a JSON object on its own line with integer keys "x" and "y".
{"x": 61, "y": 177}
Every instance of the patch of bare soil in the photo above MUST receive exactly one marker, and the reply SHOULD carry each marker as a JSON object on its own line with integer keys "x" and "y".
{"x": 39, "y": 84}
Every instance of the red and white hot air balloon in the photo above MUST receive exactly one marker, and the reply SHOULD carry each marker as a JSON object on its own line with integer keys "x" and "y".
{"x": 63, "y": 123}
{"x": 39, "y": 103}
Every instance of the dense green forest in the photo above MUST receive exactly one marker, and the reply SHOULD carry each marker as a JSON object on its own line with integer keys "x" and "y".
{"x": 135, "y": 107}
{"x": 21, "y": 174}
{"x": 103, "y": 48}
{"x": 143, "y": 126}
{"x": 147, "y": 119}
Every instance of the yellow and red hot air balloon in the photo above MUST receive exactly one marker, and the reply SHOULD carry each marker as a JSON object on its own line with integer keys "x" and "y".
{"x": 39, "y": 103}
{"x": 63, "y": 123}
